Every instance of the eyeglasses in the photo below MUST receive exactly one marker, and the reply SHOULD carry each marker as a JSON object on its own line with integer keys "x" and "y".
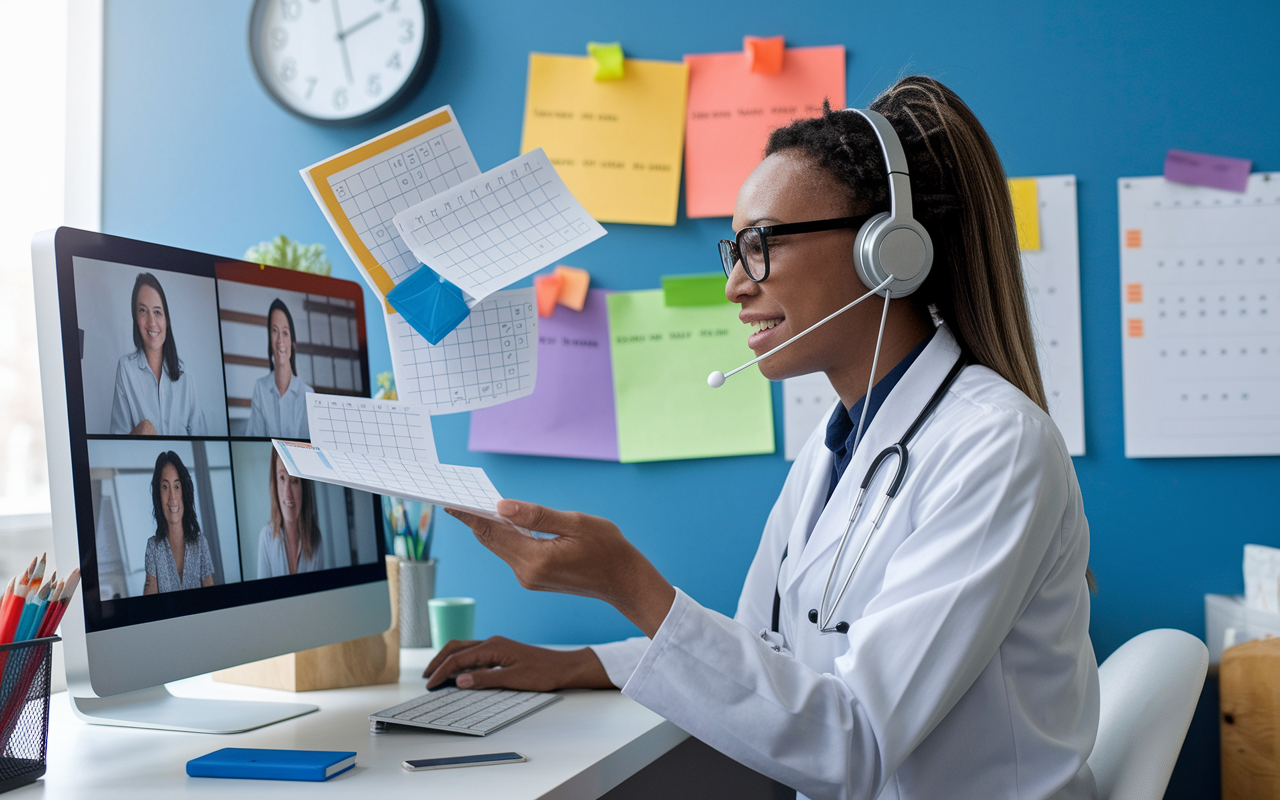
{"x": 751, "y": 245}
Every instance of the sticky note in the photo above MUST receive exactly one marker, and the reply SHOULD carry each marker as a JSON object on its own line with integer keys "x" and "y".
{"x": 547, "y": 288}
{"x": 573, "y": 293}
{"x": 616, "y": 144}
{"x": 661, "y": 358}
{"x": 431, "y": 305}
{"x": 570, "y": 413}
{"x": 701, "y": 289}
{"x": 732, "y": 111}
{"x": 1202, "y": 169}
{"x": 608, "y": 58}
{"x": 764, "y": 55}
{"x": 1026, "y": 212}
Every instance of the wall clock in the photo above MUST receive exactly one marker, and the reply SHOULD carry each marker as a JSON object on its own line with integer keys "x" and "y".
{"x": 340, "y": 62}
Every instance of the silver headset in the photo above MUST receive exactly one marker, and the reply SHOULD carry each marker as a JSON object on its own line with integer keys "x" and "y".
{"x": 893, "y": 244}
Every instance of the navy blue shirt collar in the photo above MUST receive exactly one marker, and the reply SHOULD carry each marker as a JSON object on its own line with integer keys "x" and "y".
{"x": 843, "y": 425}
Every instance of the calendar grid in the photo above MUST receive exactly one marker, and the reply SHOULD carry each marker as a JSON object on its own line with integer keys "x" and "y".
{"x": 496, "y": 228}
{"x": 380, "y": 428}
{"x": 489, "y": 359}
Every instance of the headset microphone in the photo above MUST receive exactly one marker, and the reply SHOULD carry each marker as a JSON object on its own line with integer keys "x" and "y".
{"x": 716, "y": 379}
{"x": 893, "y": 252}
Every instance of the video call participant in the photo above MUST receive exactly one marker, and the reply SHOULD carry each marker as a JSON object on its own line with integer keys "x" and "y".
{"x": 290, "y": 542}
{"x": 178, "y": 554}
{"x": 154, "y": 396}
{"x": 279, "y": 405}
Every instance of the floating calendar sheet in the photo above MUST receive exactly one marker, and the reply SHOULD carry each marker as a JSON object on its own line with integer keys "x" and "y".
{"x": 1200, "y": 325}
{"x": 383, "y": 428}
{"x": 361, "y": 189}
{"x": 466, "y": 488}
{"x": 492, "y": 357}
{"x": 499, "y": 227}
{"x": 1052, "y": 277}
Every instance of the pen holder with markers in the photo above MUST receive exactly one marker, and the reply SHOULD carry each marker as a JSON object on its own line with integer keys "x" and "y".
{"x": 24, "y": 710}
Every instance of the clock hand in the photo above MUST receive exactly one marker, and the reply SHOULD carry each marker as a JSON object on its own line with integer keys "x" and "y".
{"x": 359, "y": 25}
{"x": 346, "y": 59}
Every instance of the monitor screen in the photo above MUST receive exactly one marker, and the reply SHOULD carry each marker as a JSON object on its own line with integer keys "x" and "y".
{"x": 180, "y": 367}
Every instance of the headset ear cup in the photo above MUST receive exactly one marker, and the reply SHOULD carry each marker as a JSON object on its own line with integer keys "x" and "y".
{"x": 865, "y": 262}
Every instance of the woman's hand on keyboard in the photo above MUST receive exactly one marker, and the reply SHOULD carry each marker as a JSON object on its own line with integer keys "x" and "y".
{"x": 498, "y": 662}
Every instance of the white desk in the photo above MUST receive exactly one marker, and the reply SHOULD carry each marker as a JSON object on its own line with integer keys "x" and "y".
{"x": 579, "y": 747}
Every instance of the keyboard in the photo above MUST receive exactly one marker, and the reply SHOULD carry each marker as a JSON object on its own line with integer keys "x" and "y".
{"x": 477, "y": 712}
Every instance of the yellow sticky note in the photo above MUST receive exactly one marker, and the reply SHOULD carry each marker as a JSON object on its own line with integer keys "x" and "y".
{"x": 1026, "y": 212}
{"x": 608, "y": 58}
{"x": 616, "y": 144}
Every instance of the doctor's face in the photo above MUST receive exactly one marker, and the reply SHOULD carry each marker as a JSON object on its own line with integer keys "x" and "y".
{"x": 171, "y": 496}
{"x": 288, "y": 493}
{"x": 281, "y": 340}
{"x": 811, "y": 275}
{"x": 148, "y": 315}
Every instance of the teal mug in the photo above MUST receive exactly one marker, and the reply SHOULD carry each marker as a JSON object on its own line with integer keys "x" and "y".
{"x": 451, "y": 618}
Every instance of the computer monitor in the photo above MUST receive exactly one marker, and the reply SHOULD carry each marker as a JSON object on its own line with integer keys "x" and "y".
{"x": 197, "y": 551}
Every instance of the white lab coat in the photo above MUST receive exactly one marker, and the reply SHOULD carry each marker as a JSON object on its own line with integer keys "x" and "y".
{"x": 967, "y": 671}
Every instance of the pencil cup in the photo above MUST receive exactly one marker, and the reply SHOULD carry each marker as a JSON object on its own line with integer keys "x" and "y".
{"x": 452, "y": 618}
{"x": 417, "y": 585}
{"x": 24, "y": 710}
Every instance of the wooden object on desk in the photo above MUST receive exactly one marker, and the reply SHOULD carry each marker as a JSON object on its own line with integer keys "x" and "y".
{"x": 1249, "y": 708}
{"x": 360, "y": 662}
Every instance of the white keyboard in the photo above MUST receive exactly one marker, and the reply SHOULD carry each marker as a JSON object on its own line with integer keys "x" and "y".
{"x": 474, "y": 711}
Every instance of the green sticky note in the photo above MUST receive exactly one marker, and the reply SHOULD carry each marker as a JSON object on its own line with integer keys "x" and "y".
{"x": 661, "y": 358}
{"x": 608, "y": 58}
{"x": 701, "y": 289}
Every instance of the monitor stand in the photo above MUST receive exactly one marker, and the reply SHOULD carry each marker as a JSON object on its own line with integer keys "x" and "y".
{"x": 156, "y": 708}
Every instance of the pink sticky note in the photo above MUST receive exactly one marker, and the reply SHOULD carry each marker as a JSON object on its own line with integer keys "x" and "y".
{"x": 570, "y": 413}
{"x": 1202, "y": 169}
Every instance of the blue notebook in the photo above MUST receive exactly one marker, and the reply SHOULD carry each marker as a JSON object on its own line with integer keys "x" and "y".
{"x": 275, "y": 765}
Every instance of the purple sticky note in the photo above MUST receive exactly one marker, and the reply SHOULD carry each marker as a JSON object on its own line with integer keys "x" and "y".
{"x": 1202, "y": 169}
{"x": 570, "y": 412}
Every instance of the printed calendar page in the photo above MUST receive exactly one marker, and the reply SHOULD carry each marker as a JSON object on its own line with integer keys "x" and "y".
{"x": 383, "y": 428}
{"x": 1200, "y": 275}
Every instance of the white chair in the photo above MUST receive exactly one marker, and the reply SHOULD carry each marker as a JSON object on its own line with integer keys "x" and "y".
{"x": 1149, "y": 689}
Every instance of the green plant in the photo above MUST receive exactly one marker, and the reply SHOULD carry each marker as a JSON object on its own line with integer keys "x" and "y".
{"x": 285, "y": 252}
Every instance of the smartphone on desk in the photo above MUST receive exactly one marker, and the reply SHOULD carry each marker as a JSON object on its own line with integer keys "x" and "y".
{"x": 463, "y": 761}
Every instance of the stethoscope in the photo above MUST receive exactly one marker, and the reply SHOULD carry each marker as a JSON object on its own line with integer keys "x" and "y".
{"x": 898, "y": 450}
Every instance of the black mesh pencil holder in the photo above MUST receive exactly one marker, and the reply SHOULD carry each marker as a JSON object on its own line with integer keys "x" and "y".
{"x": 24, "y": 710}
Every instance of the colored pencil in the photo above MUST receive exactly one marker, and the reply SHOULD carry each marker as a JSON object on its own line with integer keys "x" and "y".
{"x": 37, "y": 577}
{"x": 53, "y": 619}
{"x": 13, "y": 615}
{"x": 33, "y": 613}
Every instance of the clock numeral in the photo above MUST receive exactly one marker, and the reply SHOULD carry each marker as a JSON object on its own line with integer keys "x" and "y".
{"x": 288, "y": 69}
{"x": 279, "y": 38}
{"x": 340, "y": 98}
{"x": 394, "y": 61}
{"x": 311, "y": 86}
{"x": 374, "y": 87}
{"x": 290, "y": 9}
{"x": 407, "y": 28}
{"x": 395, "y": 6}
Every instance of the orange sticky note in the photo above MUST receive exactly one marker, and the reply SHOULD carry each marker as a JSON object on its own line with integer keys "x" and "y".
{"x": 732, "y": 111}
{"x": 547, "y": 288}
{"x": 764, "y": 54}
{"x": 573, "y": 291}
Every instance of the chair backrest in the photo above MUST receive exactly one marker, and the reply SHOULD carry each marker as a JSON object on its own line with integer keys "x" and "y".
{"x": 1148, "y": 690}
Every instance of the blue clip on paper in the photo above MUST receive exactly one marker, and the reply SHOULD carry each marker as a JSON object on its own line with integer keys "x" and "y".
{"x": 430, "y": 304}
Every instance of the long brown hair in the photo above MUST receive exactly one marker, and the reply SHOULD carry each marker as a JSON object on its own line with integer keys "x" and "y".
{"x": 961, "y": 196}
{"x": 308, "y": 516}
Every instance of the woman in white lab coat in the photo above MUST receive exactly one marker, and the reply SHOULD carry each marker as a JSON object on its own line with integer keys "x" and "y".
{"x": 957, "y": 663}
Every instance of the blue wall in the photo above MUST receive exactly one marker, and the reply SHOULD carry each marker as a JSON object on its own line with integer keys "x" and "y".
{"x": 198, "y": 156}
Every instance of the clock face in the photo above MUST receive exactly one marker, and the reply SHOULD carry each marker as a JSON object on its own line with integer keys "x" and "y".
{"x": 338, "y": 61}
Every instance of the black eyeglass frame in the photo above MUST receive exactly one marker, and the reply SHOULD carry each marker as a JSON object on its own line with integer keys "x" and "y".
{"x": 731, "y": 249}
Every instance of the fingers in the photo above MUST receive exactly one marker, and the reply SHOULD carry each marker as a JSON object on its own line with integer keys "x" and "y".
{"x": 464, "y": 659}
{"x": 540, "y": 518}
{"x": 451, "y": 647}
{"x": 482, "y": 678}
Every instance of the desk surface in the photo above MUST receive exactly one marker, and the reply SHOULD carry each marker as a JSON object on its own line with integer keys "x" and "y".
{"x": 580, "y": 747}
